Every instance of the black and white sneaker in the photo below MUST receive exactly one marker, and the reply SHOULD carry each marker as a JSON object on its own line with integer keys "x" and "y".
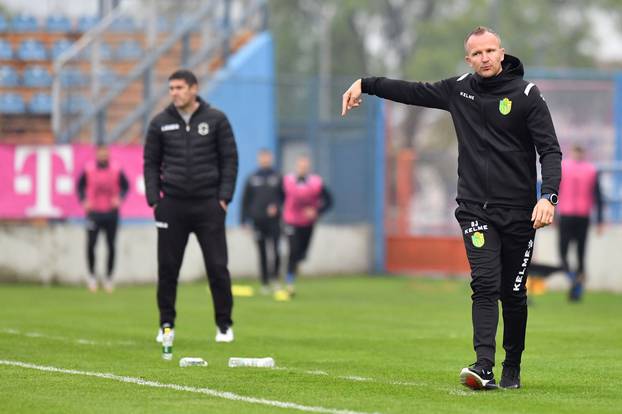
{"x": 477, "y": 377}
{"x": 510, "y": 377}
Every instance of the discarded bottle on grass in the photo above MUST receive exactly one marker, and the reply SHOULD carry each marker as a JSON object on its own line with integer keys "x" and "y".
{"x": 251, "y": 362}
{"x": 192, "y": 362}
{"x": 167, "y": 344}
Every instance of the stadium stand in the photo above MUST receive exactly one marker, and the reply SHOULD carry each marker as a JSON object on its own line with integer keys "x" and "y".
{"x": 31, "y": 49}
{"x": 4, "y": 25}
{"x": 12, "y": 103}
{"x": 129, "y": 50}
{"x": 73, "y": 77}
{"x": 37, "y": 77}
{"x": 86, "y": 23}
{"x": 58, "y": 47}
{"x": 6, "y": 50}
{"x": 40, "y": 103}
{"x": 58, "y": 24}
{"x": 8, "y": 77}
{"x": 24, "y": 24}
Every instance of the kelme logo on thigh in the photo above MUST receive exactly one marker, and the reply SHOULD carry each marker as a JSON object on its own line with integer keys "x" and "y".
{"x": 477, "y": 239}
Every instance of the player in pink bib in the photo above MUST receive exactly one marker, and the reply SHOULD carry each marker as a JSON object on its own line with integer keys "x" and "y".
{"x": 579, "y": 192}
{"x": 306, "y": 198}
{"x": 101, "y": 188}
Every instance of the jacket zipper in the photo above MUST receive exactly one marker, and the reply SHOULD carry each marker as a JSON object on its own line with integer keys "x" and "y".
{"x": 487, "y": 155}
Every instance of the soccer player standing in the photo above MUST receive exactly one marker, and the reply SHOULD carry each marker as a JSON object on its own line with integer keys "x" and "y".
{"x": 190, "y": 168}
{"x": 501, "y": 121}
{"x": 306, "y": 198}
{"x": 102, "y": 186}
{"x": 261, "y": 203}
{"x": 579, "y": 193}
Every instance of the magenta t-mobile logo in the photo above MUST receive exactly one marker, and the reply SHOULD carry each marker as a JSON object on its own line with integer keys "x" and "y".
{"x": 45, "y": 180}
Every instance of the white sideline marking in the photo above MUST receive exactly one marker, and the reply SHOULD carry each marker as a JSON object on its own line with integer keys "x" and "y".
{"x": 80, "y": 341}
{"x": 207, "y": 391}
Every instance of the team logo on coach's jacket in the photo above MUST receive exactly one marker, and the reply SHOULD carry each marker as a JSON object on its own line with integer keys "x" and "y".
{"x": 478, "y": 239}
{"x": 203, "y": 128}
{"x": 505, "y": 106}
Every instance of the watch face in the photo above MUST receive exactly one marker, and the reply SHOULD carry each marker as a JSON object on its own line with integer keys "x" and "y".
{"x": 554, "y": 199}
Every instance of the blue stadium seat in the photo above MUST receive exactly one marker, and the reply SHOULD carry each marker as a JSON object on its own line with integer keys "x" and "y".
{"x": 58, "y": 23}
{"x": 40, "y": 103}
{"x": 24, "y": 23}
{"x": 12, "y": 103}
{"x": 129, "y": 50}
{"x": 4, "y": 25}
{"x": 72, "y": 77}
{"x": 105, "y": 52}
{"x": 86, "y": 23}
{"x": 31, "y": 49}
{"x": 37, "y": 77}
{"x": 124, "y": 24}
{"x": 75, "y": 104}
{"x": 6, "y": 50}
{"x": 8, "y": 76}
{"x": 107, "y": 77}
{"x": 58, "y": 47}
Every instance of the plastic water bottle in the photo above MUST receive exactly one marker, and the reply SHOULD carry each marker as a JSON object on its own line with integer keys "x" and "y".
{"x": 167, "y": 344}
{"x": 251, "y": 362}
{"x": 192, "y": 362}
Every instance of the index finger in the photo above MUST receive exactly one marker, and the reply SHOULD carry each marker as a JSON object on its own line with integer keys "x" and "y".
{"x": 344, "y": 102}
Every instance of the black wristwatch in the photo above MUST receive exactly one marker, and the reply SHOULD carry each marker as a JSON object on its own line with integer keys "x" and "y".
{"x": 551, "y": 198}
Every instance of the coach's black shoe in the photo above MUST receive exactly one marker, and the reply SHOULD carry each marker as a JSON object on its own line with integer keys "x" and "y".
{"x": 510, "y": 377}
{"x": 478, "y": 377}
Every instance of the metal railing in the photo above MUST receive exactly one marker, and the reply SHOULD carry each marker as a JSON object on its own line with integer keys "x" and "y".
{"x": 214, "y": 20}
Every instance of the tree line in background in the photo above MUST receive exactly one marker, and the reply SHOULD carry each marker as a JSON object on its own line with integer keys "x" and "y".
{"x": 423, "y": 39}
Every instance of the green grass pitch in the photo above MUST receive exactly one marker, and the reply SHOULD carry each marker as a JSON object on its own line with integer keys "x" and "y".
{"x": 344, "y": 344}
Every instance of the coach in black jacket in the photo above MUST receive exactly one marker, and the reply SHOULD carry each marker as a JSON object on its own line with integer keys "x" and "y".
{"x": 190, "y": 168}
{"x": 501, "y": 121}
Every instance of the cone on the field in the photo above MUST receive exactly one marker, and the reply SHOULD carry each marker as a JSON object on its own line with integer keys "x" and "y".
{"x": 242, "y": 291}
{"x": 281, "y": 295}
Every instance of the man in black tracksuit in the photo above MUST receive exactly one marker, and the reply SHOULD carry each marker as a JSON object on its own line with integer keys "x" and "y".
{"x": 190, "y": 168}
{"x": 261, "y": 204}
{"x": 501, "y": 121}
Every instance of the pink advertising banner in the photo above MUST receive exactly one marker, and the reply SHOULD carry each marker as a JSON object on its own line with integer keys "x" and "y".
{"x": 41, "y": 181}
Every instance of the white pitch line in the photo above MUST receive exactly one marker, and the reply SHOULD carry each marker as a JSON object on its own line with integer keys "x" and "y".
{"x": 206, "y": 391}
{"x": 80, "y": 341}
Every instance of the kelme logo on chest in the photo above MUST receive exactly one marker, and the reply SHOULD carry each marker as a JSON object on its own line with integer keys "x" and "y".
{"x": 505, "y": 106}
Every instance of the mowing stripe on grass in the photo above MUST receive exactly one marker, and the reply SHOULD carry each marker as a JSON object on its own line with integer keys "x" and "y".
{"x": 207, "y": 391}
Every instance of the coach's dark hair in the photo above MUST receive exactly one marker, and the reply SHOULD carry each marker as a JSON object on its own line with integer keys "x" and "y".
{"x": 186, "y": 75}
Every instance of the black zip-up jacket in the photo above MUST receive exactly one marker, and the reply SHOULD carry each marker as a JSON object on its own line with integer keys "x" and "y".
{"x": 500, "y": 123}
{"x": 263, "y": 187}
{"x": 197, "y": 160}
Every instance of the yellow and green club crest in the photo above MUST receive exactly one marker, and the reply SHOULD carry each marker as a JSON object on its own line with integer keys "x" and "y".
{"x": 505, "y": 106}
{"x": 478, "y": 239}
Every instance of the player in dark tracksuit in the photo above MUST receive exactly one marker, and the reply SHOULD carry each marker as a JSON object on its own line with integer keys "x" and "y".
{"x": 501, "y": 121}
{"x": 190, "y": 169}
{"x": 262, "y": 203}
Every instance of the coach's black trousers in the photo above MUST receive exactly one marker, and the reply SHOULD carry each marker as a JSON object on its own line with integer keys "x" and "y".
{"x": 108, "y": 222}
{"x": 175, "y": 220}
{"x": 267, "y": 234}
{"x": 499, "y": 244}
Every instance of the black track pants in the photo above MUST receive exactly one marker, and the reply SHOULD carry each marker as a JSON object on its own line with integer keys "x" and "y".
{"x": 499, "y": 245}
{"x": 175, "y": 220}
{"x": 108, "y": 222}
{"x": 299, "y": 238}
{"x": 267, "y": 234}
{"x": 573, "y": 229}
